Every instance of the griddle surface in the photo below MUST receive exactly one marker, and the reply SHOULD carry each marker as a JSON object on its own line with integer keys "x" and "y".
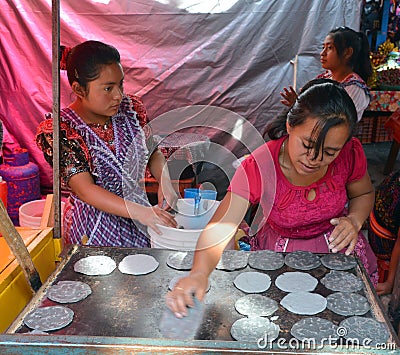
{"x": 132, "y": 306}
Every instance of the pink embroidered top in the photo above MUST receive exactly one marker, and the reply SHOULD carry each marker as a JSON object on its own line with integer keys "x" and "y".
{"x": 292, "y": 214}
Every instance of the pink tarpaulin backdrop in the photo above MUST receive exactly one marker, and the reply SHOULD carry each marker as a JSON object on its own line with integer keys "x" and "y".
{"x": 233, "y": 54}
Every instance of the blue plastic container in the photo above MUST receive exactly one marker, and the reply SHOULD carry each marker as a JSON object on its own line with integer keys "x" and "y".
{"x": 23, "y": 181}
{"x": 205, "y": 194}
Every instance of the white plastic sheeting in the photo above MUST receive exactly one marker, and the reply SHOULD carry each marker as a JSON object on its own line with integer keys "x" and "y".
{"x": 233, "y": 54}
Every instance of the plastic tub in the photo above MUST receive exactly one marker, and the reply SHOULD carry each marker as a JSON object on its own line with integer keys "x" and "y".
{"x": 30, "y": 213}
{"x": 186, "y": 238}
{"x": 185, "y": 213}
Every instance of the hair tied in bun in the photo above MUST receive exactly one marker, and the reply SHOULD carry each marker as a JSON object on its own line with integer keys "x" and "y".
{"x": 64, "y": 53}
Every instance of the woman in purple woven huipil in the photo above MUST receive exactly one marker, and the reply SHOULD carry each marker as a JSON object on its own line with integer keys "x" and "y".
{"x": 104, "y": 154}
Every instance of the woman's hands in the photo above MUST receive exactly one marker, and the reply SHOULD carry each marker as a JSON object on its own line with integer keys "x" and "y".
{"x": 384, "y": 288}
{"x": 361, "y": 201}
{"x": 344, "y": 235}
{"x": 151, "y": 216}
{"x": 289, "y": 96}
{"x": 181, "y": 297}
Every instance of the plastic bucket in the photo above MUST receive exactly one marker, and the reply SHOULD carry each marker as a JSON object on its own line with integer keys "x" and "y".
{"x": 186, "y": 218}
{"x": 30, "y": 213}
{"x": 183, "y": 239}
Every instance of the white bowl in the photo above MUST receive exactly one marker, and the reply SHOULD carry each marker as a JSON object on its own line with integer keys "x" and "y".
{"x": 186, "y": 238}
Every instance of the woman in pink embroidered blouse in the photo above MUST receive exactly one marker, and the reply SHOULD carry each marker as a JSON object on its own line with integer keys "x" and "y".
{"x": 345, "y": 58}
{"x": 302, "y": 179}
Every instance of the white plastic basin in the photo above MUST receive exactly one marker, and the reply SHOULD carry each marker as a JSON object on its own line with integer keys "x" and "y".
{"x": 186, "y": 238}
{"x": 30, "y": 213}
{"x": 186, "y": 217}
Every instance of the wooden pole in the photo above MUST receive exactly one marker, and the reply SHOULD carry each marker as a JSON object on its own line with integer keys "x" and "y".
{"x": 56, "y": 115}
{"x": 295, "y": 63}
{"x": 18, "y": 248}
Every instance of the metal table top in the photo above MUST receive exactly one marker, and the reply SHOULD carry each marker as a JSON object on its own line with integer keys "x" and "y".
{"x": 126, "y": 307}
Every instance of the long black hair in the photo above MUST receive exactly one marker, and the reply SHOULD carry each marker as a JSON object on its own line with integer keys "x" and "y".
{"x": 345, "y": 37}
{"x": 324, "y": 100}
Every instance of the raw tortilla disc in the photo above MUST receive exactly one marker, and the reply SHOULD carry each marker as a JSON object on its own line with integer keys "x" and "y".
{"x": 233, "y": 260}
{"x": 302, "y": 260}
{"x": 49, "y": 318}
{"x": 256, "y": 305}
{"x": 347, "y": 304}
{"x": 314, "y": 329}
{"x": 252, "y": 282}
{"x": 181, "y": 260}
{"x": 68, "y": 291}
{"x": 138, "y": 264}
{"x": 367, "y": 331}
{"x": 338, "y": 261}
{"x": 252, "y": 329}
{"x": 95, "y": 265}
{"x": 296, "y": 281}
{"x": 266, "y": 260}
{"x": 306, "y": 303}
{"x": 176, "y": 278}
{"x": 342, "y": 281}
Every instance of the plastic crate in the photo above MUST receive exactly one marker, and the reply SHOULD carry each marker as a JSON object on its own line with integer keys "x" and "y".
{"x": 381, "y": 133}
{"x": 365, "y": 129}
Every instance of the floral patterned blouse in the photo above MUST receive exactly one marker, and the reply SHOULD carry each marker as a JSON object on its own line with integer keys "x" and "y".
{"x": 116, "y": 155}
{"x": 74, "y": 154}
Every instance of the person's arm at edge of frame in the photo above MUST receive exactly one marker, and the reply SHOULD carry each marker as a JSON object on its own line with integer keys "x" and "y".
{"x": 223, "y": 226}
{"x": 387, "y": 286}
{"x": 361, "y": 197}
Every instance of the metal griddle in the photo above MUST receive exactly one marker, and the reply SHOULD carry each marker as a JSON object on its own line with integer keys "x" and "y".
{"x": 131, "y": 306}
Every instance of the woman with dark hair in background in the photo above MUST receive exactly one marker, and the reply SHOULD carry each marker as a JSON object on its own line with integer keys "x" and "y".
{"x": 346, "y": 57}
